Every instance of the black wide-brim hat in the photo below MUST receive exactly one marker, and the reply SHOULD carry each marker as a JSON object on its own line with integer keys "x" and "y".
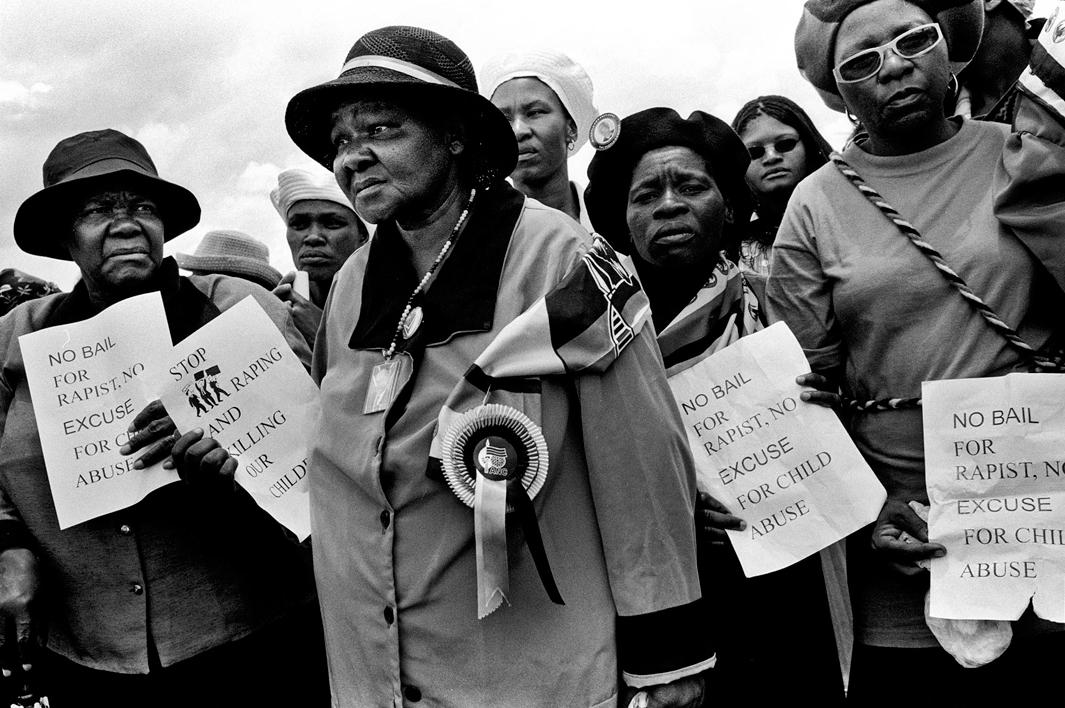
{"x": 87, "y": 162}
{"x": 610, "y": 171}
{"x": 413, "y": 62}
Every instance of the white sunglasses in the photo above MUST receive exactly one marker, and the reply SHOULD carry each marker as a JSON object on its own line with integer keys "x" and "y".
{"x": 909, "y": 45}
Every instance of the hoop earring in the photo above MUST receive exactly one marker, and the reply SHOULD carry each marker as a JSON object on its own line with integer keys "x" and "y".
{"x": 956, "y": 91}
{"x": 855, "y": 121}
{"x": 570, "y": 144}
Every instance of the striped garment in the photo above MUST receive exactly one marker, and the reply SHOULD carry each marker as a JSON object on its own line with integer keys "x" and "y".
{"x": 723, "y": 310}
{"x": 582, "y": 325}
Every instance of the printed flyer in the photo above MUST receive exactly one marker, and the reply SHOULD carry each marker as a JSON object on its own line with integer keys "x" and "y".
{"x": 787, "y": 468}
{"x": 995, "y": 470}
{"x": 88, "y": 381}
{"x": 251, "y": 394}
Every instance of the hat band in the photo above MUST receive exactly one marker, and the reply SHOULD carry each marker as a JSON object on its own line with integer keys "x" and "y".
{"x": 403, "y": 67}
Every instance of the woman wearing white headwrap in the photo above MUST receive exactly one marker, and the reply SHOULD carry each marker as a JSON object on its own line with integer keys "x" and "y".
{"x": 547, "y": 98}
{"x": 322, "y": 230}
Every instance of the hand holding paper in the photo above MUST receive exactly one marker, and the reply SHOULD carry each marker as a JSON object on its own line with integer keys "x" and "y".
{"x": 823, "y": 393}
{"x": 203, "y": 462}
{"x": 713, "y": 518}
{"x": 896, "y": 520}
{"x": 293, "y": 289}
{"x": 153, "y": 429}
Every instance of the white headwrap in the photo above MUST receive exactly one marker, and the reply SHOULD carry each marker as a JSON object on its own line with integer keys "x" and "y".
{"x": 561, "y": 74}
{"x": 295, "y": 185}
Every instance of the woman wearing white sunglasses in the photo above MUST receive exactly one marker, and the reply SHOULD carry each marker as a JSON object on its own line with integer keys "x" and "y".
{"x": 876, "y": 316}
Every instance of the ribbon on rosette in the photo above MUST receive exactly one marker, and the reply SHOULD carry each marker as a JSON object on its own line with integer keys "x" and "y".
{"x": 493, "y": 454}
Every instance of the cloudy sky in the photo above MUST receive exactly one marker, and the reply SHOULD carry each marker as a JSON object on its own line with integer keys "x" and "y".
{"x": 204, "y": 84}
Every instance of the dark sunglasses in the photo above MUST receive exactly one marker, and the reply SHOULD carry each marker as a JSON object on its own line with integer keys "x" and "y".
{"x": 781, "y": 146}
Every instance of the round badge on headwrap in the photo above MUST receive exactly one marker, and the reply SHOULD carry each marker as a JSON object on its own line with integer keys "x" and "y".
{"x": 497, "y": 442}
{"x": 604, "y": 131}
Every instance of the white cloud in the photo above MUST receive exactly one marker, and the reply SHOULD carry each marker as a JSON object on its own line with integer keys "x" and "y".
{"x": 258, "y": 178}
{"x": 22, "y": 96}
{"x": 163, "y": 142}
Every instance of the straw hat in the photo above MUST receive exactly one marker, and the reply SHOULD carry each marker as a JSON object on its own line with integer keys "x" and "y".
{"x": 232, "y": 253}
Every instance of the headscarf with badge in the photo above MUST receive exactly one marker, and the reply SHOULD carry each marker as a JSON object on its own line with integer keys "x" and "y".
{"x": 561, "y": 74}
{"x": 962, "y": 22}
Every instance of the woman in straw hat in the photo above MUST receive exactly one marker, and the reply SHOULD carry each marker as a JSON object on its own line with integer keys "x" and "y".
{"x": 875, "y": 299}
{"x": 185, "y": 597}
{"x": 322, "y": 231}
{"x": 422, "y": 597}
{"x": 547, "y": 98}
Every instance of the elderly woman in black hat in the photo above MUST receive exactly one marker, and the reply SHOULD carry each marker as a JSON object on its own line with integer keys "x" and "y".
{"x": 400, "y": 560}
{"x": 872, "y": 286}
{"x": 670, "y": 193}
{"x": 185, "y": 597}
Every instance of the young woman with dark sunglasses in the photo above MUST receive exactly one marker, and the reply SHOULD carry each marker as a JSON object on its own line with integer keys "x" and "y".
{"x": 785, "y": 147}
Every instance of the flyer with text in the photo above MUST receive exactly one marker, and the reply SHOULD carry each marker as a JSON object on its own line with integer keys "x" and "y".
{"x": 88, "y": 381}
{"x": 995, "y": 471}
{"x": 238, "y": 380}
{"x": 787, "y": 468}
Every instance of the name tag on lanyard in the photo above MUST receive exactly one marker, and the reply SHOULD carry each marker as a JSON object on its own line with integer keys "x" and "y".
{"x": 386, "y": 379}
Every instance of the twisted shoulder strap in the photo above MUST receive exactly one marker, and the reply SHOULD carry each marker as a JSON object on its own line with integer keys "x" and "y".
{"x": 956, "y": 281}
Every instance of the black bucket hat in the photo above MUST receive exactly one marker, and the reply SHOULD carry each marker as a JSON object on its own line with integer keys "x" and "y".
{"x": 610, "y": 171}
{"x": 76, "y": 166}
{"x": 417, "y": 62}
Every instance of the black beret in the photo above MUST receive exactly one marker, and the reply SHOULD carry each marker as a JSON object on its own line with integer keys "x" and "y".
{"x": 610, "y": 172}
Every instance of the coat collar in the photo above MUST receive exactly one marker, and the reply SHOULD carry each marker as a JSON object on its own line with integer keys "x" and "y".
{"x": 187, "y": 309}
{"x": 462, "y": 297}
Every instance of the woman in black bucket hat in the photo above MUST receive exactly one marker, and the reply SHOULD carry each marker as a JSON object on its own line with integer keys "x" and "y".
{"x": 184, "y": 597}
{"x": 422, "y": 598}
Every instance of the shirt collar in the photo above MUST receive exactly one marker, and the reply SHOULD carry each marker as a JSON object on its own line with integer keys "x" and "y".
{"x": 463, "y": 295}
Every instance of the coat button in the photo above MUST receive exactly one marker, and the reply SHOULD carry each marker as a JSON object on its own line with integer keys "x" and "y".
{"x": 390, "y": 616}
{"x": 412, "y": 693}
{"x": 137, "y": 589}
{"x": 125, "y": 530}
{"x": 386, "y": 518}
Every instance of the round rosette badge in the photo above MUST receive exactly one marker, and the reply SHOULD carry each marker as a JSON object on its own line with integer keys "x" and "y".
{"x": 495, "y": 461}
{"x": 498, "y": 443}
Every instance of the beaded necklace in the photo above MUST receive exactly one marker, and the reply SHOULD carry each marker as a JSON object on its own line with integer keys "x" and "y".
{"x": 411, "y": 318}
